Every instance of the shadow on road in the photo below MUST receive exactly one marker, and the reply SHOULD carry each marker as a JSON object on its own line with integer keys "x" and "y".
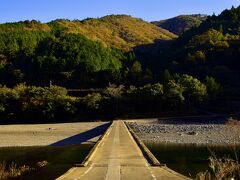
{"x": 82, "y": 137}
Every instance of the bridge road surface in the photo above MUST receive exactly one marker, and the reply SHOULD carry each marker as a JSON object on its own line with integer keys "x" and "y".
{"x": 119, "y": 157}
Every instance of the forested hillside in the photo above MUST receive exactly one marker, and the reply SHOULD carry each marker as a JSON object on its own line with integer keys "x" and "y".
{"x": 92, "y": 52}
{"x": 212, "y": 49}
{"x": 87, "y": 53}
{"x": 136, "y": 63}
{"x": 119, "y": 31}
{"x": 178, "y": 25}
{"x": 30, "y": 53}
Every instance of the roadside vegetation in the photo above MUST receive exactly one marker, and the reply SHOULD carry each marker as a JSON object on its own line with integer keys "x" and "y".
{"x": 221, "y": 169}
{"x": 12, "y": 170}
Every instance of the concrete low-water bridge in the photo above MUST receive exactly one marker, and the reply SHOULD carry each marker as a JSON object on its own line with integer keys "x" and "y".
{"x": 119, "y": 154}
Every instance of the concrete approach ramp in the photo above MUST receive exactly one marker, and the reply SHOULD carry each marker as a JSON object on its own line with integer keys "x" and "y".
{"x": 118, "y": 156}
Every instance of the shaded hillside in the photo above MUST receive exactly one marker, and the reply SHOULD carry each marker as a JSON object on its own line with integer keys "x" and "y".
{"x": 182, "y": 23}
{"x": 119, "y": 31}
{"x": 213, "y": 48}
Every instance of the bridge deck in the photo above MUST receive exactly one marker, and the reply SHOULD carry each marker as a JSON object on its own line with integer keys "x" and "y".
{"x": 119, "y": 157}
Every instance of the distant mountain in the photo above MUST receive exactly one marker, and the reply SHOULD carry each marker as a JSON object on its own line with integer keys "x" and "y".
{"x": 182, "y": 23}
{"x": 119, "y": 31}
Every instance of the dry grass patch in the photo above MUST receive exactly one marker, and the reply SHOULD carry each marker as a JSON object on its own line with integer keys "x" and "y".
{"x": 233, "y": 122}
{"x": 12, "y": 170}
{"x": 221, "y": 169}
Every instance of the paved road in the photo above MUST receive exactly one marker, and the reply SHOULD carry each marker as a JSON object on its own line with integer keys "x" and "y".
{"x": 119, "y": 157}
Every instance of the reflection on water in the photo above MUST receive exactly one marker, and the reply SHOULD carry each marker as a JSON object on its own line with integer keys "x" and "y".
{"x": 190, "y": 159}
{"x": 59, "y": 159}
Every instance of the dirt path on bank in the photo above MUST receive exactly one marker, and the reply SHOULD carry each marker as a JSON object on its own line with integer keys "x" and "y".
{"x": 51, "y": 134}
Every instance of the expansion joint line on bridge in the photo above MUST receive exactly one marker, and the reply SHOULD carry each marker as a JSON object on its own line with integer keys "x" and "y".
{"x": 113, "y": 171}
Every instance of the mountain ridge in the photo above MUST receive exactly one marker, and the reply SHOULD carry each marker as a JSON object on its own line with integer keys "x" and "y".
{"x": 181, "y": 23}
{"x": 117, "y": 31}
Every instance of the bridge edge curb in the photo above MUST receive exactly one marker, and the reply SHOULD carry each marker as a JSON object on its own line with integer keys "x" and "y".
{"x": 154, "y": 161}
{"x": 95, "y": 147}
{"x": 144, "y": 148}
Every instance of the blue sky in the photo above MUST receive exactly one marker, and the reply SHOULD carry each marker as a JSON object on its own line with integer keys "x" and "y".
{"x": 150, "y": 10}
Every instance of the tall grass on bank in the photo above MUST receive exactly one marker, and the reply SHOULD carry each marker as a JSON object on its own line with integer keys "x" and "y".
{"x": 221, "y": 169}
{"x": 232, "y": 122}
{"x": 12, "y": 170}
{"x": 225, "y": 168}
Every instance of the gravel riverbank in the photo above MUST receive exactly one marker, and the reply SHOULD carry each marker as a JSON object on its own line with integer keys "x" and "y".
{"x": 186, "y": 133}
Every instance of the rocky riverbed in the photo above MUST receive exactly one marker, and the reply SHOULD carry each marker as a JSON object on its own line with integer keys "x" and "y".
{"x": 191, "y": 133}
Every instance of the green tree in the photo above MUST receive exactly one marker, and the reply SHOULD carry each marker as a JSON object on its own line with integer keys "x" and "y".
{"x": 213, "y": 87}
{"x": 147, "y": 76}
{"x": 136, "y": 69}
{"x": 193, "y": 89}
{"x": 174, "y": 94}
{"x": 197, "y": 57}
{"x": 148, "y": 91}
{"x": 3, "y": 61}
{"x": 8, "y": 100}
{"x": 92, "y": 101}
{"x": 166, "y": 76}
{"x": 135, "y": 73}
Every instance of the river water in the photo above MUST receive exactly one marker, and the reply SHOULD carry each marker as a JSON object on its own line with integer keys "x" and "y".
{"x": 59, "y": 159}
{"x": 190, "y": 159}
